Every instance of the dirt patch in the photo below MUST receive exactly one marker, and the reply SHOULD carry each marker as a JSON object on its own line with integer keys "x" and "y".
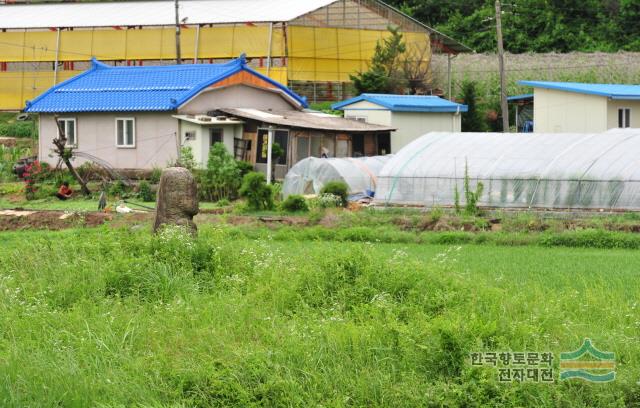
{"x": 15, "y": 220}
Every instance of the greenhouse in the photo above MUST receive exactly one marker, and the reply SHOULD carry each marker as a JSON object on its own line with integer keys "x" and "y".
{"x": 549, "y": 171}
{"x": 308, "y": 176}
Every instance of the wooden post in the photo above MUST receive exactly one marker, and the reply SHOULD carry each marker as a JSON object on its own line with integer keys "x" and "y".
{"x": 65, "y": 155}
{"x": 269, "y": 149}
{"x": 503, "y": 79}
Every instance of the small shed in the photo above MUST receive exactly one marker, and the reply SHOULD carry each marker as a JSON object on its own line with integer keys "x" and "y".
{"x": 411, "y": 115}
{"x": 567, "y": 107}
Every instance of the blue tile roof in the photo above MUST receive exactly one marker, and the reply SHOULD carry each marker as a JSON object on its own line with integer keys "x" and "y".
{"x": 613, "y": 91}
{"x": 152, "y": 88}
{"x": 405, "y": 103}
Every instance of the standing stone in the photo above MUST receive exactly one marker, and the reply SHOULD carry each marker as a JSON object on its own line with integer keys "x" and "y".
{"x": 177, "y": 201}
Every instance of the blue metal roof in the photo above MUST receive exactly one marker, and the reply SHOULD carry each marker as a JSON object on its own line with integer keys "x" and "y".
{"x": 522, "y": 97}
{"x": 105, "y": 88}
{"x": 613, "y": 91}
{"x": 405, "y": 103}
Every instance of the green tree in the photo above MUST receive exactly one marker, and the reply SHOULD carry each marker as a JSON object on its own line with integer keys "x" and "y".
{"x": 472, "y": 120}
{"x": 385, "y": 74}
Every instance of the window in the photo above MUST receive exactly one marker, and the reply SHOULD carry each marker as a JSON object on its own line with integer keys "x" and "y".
{"x": 357, "y": 118}
{"x": 624, "y": 117}
{"x": 189, "y": 136}
{"x": 126, "y": 132}
{"x": 69, "y": 126}
{"x": 216, "y": 135}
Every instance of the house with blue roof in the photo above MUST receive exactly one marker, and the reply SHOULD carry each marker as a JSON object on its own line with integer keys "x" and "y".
{"x": 412, "y": 115}
{"x": 140, "y": 117}
{"x": 571, "y": 107}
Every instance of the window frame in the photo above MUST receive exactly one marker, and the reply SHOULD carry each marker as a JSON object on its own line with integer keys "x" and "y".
{"x": 124, "y": 138}
{"x": 628, "y": 124}
{"x": 75, "y": 131}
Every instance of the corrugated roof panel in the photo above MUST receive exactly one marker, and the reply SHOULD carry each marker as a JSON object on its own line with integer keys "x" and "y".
{"x": 406, "y": 103}
{"x": 614, "y": 91}
{"x": 154, "y": 13}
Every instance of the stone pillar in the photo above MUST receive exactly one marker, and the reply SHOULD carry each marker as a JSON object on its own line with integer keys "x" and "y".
{"x": 177, "y": 201}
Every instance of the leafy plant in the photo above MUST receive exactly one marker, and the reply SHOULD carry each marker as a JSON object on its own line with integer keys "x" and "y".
{"x": 222, "y": 177}
{"x": 145, "y": 193}
{"x": 258, "y": 193}
{"x": 471, "y": 197}
{"x": 186, "y": 158}
{"x": 294, "y": 203}
{"x": 119, "y": 189}
{"x": 338, "y": 189}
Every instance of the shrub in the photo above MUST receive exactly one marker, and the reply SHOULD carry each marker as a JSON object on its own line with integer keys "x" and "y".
{"x": 186, "y": 158}
{"x": 294, "y": 203}
{"x": 245, "y": 167}
{"x": 119, "y": 189}
{"x": 338, "y": 189}
{"x": 326, "y": 201}
{"x": 145, "y": 193}
{"x": 222, "y": 176}
{"x": 258, "y": 193}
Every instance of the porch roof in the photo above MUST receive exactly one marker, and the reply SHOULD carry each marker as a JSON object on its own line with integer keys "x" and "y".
{"x": 307, "y": 120}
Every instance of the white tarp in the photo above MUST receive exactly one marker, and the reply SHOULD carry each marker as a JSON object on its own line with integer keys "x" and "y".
{"x": 597, "y": 171}
{"x": 154, "y": 13}
{"x": 308, "y": 176}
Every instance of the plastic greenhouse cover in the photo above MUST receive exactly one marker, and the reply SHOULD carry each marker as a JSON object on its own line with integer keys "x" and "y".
{"x": 308, "y": 176}
{"x": 590, "y": 171}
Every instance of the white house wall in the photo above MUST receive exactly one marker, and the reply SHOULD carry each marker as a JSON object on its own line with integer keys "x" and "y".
{"x": 156, "y": 139}
{"x": 412, "y": 125}
{"x": 569, "y": 112}
{"x": 201, "y": 145}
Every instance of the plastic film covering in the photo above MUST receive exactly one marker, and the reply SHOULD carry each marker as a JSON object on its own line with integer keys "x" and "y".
{"x": 551, "y": 171}
{"x": 308, "y": 176}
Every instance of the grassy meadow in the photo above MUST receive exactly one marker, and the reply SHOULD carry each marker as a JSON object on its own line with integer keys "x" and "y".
{"x": 259, "y": 317}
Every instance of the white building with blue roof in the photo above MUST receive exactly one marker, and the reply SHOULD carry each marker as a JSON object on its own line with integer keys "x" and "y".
{"x": 570, "y": 107}
{"x": 411, "y": 115}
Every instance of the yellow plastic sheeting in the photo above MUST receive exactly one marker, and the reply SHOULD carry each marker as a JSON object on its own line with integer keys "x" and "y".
{"x": 278, "y": 74}
{"x": 148, "y": 43}
{"x": 18, "y": 87}
{"x": 332, "y": 54}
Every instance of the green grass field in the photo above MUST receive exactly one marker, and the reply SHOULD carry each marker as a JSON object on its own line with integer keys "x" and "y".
{"x": 117, "y": 317}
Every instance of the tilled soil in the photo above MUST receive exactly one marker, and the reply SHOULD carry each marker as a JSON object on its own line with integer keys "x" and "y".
{"x": 12, "y": 220}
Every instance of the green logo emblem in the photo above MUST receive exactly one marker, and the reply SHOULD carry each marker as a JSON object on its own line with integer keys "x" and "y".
{"x": 599, "y": 369}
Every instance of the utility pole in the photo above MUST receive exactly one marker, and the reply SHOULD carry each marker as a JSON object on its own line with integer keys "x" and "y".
{"x": 178, "y": 52}
{"x": 503, "y": 78}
